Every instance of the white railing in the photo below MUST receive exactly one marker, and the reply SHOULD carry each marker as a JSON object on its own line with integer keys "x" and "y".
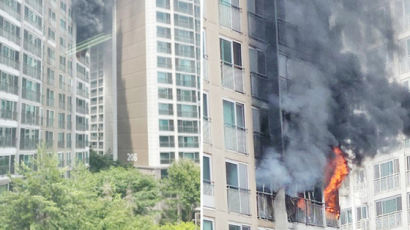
{"x": 388, "y": 221}
{"x": 230, "y": 16}
{"x": 208, "y": 194}
{"x": 362, "y": 225}
{"x": 232, "y": 77}
{"x": 238, "y": 200}
{"x": 235, "y": 139}
{"x": 10, "y": 36}
{"x": 387, "y": 183}
{"x": 265, "y": 205}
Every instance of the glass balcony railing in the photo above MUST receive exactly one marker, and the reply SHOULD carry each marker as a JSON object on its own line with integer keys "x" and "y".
{"x": 206, "y": 126}
{"x": 10, "y": 62}
{"x": 238, "y": 200}
{"x": 235, "y": 138}
{"x": 29, "y": 143}
{"x": 32, "y": 71}
{"x": 32, "y": 48}
{"x": 387, "y": 183}
{"x": 362, "y": 224}
{"x": 31, "y": 95}
{"x": 8, "y": 114}
{"x": 7, "y": 141}
{"x": 208, "y": 194}
{"x": 10, "y": 36}
{"x": 9, "y": 88}
{"x": 230, "y": 16}
{"x": 35, "y": 5}
{"x": 232, "y": 77}
{"x": 11, "y": 7}
{"x": 30, "y": 119}
{"x": 388, "y": 221}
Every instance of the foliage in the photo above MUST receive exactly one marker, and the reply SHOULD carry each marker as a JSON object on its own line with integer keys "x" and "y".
{"x": 180, "y": 226}
{"x": 181, "y": 190}
{"x": 100, "y": 162}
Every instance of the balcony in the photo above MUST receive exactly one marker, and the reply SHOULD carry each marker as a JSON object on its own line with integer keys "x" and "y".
{"x": 7, "y": 142}
{"x": 238, "y": 200}
{"x": 206, "y": 126}
{"x": 346, "y": 227}
{"x": 187, "y": 128}
{"x": 4, "y": 170}
{"x": 232, "y": 77}
{"x": 30, "y": 94}
{"x": 9, "y": 88}
{"x": 30, "y": 119}
{"x": 35, "y": 5}
{"x": 208, "y": 194}
{"x": 82, "y": 110}
{"x": 8, "y": 114}
{"x": 363, "y": 224}
{"x": 9, "y": 62}
{"x": 29, "y": 143}
{"x": 311, "y": 213}
{"x": 229, "y": 16}
{"x": 388, "y": 221}
{"x": 28, "y": 46}
{"x": 387, "y": 183}
{"x": 260, "y": 86}
{"x": 12, "y": 10}
{"x": 235, "y": 138}
{"x": 332, "y": 220}
{"x": 32, "y": 71}
{"x": 82, "y": 92}
{"x": 10, "y": 36}
{"x": 265, "y": 205}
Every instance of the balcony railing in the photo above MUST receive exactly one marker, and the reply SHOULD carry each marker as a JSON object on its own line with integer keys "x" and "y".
{"x": 32, "y": 48}
{"x": 9, "y": 62}
{"x": 332, "y": 220}
{"x": 235, "y": 138}
{"x": 35, "y": 5}
{"x": 346, "y": 226}
{"x": 238, "y": 200}
{"x": 4, "y": 169}
{"x": 8, "y": 114}
{"x": 388, "y": 221}
{"x": 362, "y": 224}
{"x": 10, "y": 36}
{"x": 5, "y": 5}
{"x": 7, "y": 141}
{"x": 230, "y": 16}
{"x": 29, "y": 144}
{"x": 31, "y": 119}
{"x": 9, "y": 88}
{"x": 232, "y": 77}
{"x": 82, "y": 110}
{"x": 208, "y": 194}
{"x": 187, "y": 129}
{"x": 387, "y": 183}
{"x": 31, "y": 95}
{"x": 32, "y": 71}
{"x": 311, "y": 213}
{"x": 206, "y": 126}
{"x": 265, "y": 205}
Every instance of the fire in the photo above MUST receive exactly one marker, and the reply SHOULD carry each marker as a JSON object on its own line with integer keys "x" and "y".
{"x": 339, "y": 173}
{"x": 301, "y": 204}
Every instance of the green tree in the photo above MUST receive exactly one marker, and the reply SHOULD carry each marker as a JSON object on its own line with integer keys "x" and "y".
{"x": 180, "y": 226}
{"x": 181, "y": 190}
{"x": 100, "y": 162}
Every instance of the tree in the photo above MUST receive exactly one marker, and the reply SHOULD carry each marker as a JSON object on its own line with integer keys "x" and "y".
{"x": 100, "y": 162}
{"x": 181, "y": 190}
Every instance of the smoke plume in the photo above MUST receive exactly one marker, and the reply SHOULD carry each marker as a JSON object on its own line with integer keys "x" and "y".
{"x": 92, "y": 17}
{"x": 341, "y": 89}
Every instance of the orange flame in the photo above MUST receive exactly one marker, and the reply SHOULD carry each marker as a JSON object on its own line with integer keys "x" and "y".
{"x": 301, "y": 204}
{"x": 340, "y": 171}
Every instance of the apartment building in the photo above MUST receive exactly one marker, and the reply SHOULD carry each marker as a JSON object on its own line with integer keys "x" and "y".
{"x": 44, "y": 84}
{"x": 246, "y": 61}
{"x": 158, "y": 68}
{"x": 376, "y": 194}
{"x": 102, "y": 99}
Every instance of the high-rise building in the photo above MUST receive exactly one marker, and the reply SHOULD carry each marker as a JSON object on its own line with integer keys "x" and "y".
{"x": 158, "y": 68}
{"x": 376, "y": 195}
{"x": 102, "y": 99}
{"x": 246, "y": 65}
{"x": 44, "y": 84}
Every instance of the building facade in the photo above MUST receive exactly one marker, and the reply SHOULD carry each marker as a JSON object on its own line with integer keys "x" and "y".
{"x": 158, "y": 68}
{"x": 246, "y": 59}
{"x": 44, "y": 85}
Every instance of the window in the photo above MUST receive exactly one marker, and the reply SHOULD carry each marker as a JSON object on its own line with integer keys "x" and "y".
{"x": 208, "y": 225}
{"x": 238, "y": 227}
{"x": 237, "y": 185}
{"x": 167, "y": 157}
{"x": 183, "y": 7}
{"x": 188, "y": 142}
{"x": 184, "y": 36}
{"x": 166, "y": 125}
{"x": 163, "y": 18}
{"x": 184, "y": 50}
{"x": 165, "y": 78}
{"x": 346, "y": 216}
{"x": 185, "y": 80}
{"x": 165, "y": 93}
{"x": 193, "y": 156}
{"x": 386, "y": 176}
{"x": 206, "y": 169}
{"x": 388, "y": 213}
{"x": 164, "y": 47}
{"x": 205, "y": 106}
{"x": 163, "y": 32}
{"x": 4, "y": 165}
{"x": 32, "y": 18}
{"x": 186, "y": 95}
{"x": 234, "y": 122}
{"x": 257, "y": 61}
{"x": 183, "y": 21}
{"x": 184, "y": 65}
{"x": 230, "y": 14}
{"x": 163, "y": 4}
{"x": 189, "y": 111}
{"x": 231, "y": 61}
{"x": 361, "y": 213}
{"x": 165, "y": 109}
{"x": 164, "y": 62}
{"x": 166, "y": 141}
{"x": 187, "y": 126}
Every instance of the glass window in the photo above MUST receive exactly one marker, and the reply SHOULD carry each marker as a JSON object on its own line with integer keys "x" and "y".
{"x": 164, "y": 47}
{"x": 165, "y": 78}
{"x": 167, "y": 157}
{"x": 163, "y": 18}
{"x": 166, "y": 125}
{"x": 163, "y": 32}
{"x": 164, "y": 62}
{"x": 208, "y": 225}
{"x": 163, "y": 4}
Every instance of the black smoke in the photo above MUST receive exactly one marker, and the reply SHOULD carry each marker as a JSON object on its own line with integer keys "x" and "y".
{"x": 341, "y": 91}
{"x": 92, "y": 17}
